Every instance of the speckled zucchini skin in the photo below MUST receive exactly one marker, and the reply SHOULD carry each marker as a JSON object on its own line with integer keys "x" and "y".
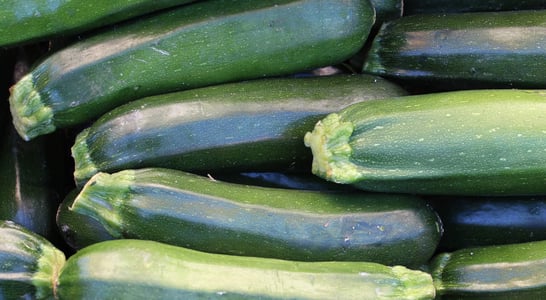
{"x": 472, "y": 142}
{"x": 204, "y": 43}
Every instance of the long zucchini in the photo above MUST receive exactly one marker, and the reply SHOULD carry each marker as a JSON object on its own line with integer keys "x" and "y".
{"x": 503, "y": 272}
{"x": 462, "y": 51}
{"x": 412, "y": 7}
{"x": 29, "y": 264}
{"x": 24, "y": 22}
{"x": 252, "y": 125}
{"x": 485, "y": 221}
{"x": 194, "y": 211}
{"x": 137, "y": 269}
{"x": 473, "y": 142}
{"x": 204, "y": 43}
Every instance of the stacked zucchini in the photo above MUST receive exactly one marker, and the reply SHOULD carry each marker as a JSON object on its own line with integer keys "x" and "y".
{"x": 279, "y": 149}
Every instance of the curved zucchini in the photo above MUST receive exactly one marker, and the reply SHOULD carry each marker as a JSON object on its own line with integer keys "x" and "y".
{"x": 503, "y": 272}
{"x": 137, "y": 269}
{"x": 485, "y": 221}
{"x": 412, "y": 7}
{"x": 24, "y": 22}
{"x": 253, "y": 125}
{"x": 194, "y": 211}
{"x": 205, "y": 43}
{"x": 29, "y": 264}
{"x": 462, "y": 51}
{"x": 472, "y": 142}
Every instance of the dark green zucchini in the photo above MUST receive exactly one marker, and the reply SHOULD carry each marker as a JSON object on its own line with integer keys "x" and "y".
{"x": 205, "y": 43}
{"x": 502, "y": 272}
{"x": 412, "y": 7}
{"x": 472, "y": 142}
{"x": 197, "y": 212}
{"x": 29, "y": 264}
{"x": 137, "y": 269}
{"x": 463, "y": 51}
{"x": 484, "y": 221}
{"x": 24, "y": 22}
{"x": 386, "y": 10}
{"x": 32, "y": 178}
{"x": 244, "y": 126}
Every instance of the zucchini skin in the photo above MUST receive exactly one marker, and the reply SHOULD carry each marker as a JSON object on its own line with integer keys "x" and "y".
{"x": 194, "y": 211}
{"x": 485, "y": 221}
{"x": 252, "y": 125}
{"x": 205, "y": 43}
{"x": 512, "y": 271}
{"x": 31, "y": 181}
{"x": 472, "y": 142}
{"x": 462, "y": 51}
{"x": 24, "y": 22}
{"x": 29, "y": 263}
{"x": 412, "y": 7}
{"x": 139, "y": 269}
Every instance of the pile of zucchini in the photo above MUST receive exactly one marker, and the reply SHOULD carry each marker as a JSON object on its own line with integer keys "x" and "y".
{"x": 278, "y": 149}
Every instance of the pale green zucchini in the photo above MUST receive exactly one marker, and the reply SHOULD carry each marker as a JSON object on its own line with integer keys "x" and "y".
{"x": 473, "y": 142}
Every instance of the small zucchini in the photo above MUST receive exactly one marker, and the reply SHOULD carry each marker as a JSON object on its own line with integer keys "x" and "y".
{"x": 29, "y": 264}
{"x": 25, "y": 22}
{"x": 502, "y": 272}
{"x": 139, "y": 269}
{"x": 196, "y": 212}
{"x": 463, "y": 51}
{"x": 485, "y": 221}
{"x": 201, "y": 44}
{"x": 471, "y": 142}
{"x": 243, "y": 126}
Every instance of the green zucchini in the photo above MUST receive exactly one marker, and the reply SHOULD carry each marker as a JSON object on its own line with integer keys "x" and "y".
{"x": 386, "y": 10}
{"x": 196, "y": 212}
{"x": 463, "y": 51}
{"x": 29, "y": 264}
{"x": 205, "y": 43}
{"x": 485, "y": 221}
{"x": 24, "y": 22}
{"x": 412, "y": 7}
{"x": 32, "y": 181}
{"x": 513, "y": 271}
{"x": 472, "y": 142}
{"x": 138, "y": 269}
{"x": 252, "y": 125}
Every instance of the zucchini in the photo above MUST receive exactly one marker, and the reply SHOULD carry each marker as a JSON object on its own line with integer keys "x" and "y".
{"x": 205, "y": 43}
{"x": 31, "y": 181}
{"x": 462, "y": 51}
{"x": 513, "y": 271}
{"x": 243, "y": 126}
{"x": 25, "y": 22}
{"x": 484, "y": 221}
{"x": 138, "y": 269}
{"x": 29, "y": 264}
{"x": 386, "y": 10}
{"x": 196, "y": 212}
{"x": 471, "y": 142}
{"x": 412, "y": 7}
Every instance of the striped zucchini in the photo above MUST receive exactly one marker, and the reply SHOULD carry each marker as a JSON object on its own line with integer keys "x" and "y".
{"x": 137, "y": 269}
{"x": 205, "y": 43}
{"x": 503, "y": 272}
{"x": 472, "y": 142}
{"x": 462, "y": 51}
{"x": 485, "y": 221}
{"x": 252, "y": 125}
{"x": 194, "y": 211}
{"x": 29, "y": 264}
{"x": 24, "y": 22}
